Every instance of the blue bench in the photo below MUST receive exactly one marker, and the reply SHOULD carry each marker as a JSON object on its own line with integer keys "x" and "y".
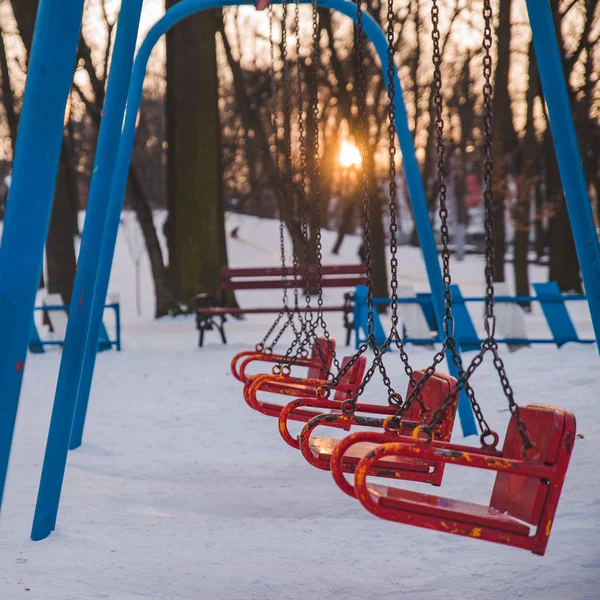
{"x": 36, "y": 343}
{"x": 551, "y": 300}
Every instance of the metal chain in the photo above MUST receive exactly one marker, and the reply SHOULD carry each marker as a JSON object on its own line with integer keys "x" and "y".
{"x": 490, "y": 343}
{"x": 363, "y": 130}
{"x": 488, "y": 197}
{"x": 288, "y": 139}
{"x": 308, "y": 322}
{"x": 349, "y": 406}
{"x": 448, "y": 322}
{"x": 280, "y": 193}
{"x": 392, "y": 189}
{"x": 488, "y": 171}
{"x": 289, "y": 167}
{"x": 316, "y": 55}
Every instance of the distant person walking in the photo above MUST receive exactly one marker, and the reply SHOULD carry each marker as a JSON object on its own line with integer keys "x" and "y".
{"x": 362, "y": 254}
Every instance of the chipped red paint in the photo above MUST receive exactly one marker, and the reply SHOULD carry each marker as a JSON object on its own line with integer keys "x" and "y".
{"x": 316, "y": 369}
{"x": 298, "y": 387}
{"x": 525, "y": 494}
{"x": 342, "y": 456}
{"x": 238, "y": 357}
{"x": 20, "y": 366}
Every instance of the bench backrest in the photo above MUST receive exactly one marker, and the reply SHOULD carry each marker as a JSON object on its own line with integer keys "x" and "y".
{"x": 262, "y": 278}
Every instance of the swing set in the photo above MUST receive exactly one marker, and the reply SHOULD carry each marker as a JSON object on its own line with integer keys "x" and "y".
{"x": 409, "y": 436}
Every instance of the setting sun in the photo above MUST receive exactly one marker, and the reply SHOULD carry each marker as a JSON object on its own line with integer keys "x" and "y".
{"x": 349, "y": 155}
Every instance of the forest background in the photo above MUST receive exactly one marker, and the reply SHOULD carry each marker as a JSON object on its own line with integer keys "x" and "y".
{"x": 206, "y": 144}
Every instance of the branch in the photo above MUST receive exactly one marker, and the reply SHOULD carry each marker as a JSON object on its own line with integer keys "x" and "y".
{"x": 568, "y": 8}
{"x": 584, "y": 42}
{"x": 8, "y": 96}
{"x": 110, "y": 26}
{"x": 85, "y": 53}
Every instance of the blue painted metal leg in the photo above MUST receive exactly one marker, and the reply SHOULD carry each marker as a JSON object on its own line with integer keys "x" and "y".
{"x": 78, "y": 326}
{"x": 567, "y": 152}
{"x": 35, "y": 341}
{"x": 118, "y": 326}
{"x": 103, "y": 339}
{"x": 51, "y": 65}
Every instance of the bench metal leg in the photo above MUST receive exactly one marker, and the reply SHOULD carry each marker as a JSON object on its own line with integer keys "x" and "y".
{"x": 221, "y": 328}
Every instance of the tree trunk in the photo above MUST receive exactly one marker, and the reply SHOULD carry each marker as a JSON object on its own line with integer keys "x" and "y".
{"x": 379, "y": 260}
{"x": 8, "y": 96}
{"x": 162, "y": 290}
{"x": 530, "y": 165}
{"x": 60, "y": 253}
{"x": 505, "y": 137}
{"x": 345, "y": 224}
{"x": 564, "y": 265}
{"x": 25, "y": 12}
{"x": 197, "y": 243}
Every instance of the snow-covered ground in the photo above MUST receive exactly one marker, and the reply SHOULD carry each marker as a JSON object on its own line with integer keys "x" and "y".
{"x": 180, "y": 491}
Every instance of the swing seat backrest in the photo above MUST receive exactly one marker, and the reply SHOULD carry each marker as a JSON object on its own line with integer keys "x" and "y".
{"x": 552, "y": 430}
{"x": 352, "y": 378}
{"x": 320, "y": 370}
{"x": 438, "y": 386}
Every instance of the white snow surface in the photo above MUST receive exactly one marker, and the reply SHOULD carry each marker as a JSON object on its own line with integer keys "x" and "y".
{"x": 180, "y": 491}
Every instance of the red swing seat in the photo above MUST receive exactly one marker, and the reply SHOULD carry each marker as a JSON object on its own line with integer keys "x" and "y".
{"x": 525, "y": 494}
{"x": 317, "y": 368}
{"x": 319, "y": 451}
{"x": 306, "y": 388}
{"x": 343, "y": 390}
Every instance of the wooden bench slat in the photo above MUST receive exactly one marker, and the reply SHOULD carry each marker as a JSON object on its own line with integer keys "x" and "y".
{"x": 223, "y": 310}
{"x": 271, "y": 284}
{"x": 228, "y": 272}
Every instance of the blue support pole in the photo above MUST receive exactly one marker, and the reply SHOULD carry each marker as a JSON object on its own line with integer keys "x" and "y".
{"x": 567, "y": 152}
{"x": 50, "y": 72}
{"x": 78, "y": 327}
{"x": 56, "y": 451}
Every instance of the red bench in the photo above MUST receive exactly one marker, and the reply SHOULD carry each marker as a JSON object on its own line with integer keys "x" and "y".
{"x": 211, "y": 312}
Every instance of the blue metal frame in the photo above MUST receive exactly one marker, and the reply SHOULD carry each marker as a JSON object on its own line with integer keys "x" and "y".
{"x": 35, "y": 164}
{"x": 38, "y": 147}
{"x": 82, "y": 329}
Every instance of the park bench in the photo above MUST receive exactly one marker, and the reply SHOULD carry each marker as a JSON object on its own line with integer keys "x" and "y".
{"x": 57, "y": 314}
{"x": 212, "y": 312}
